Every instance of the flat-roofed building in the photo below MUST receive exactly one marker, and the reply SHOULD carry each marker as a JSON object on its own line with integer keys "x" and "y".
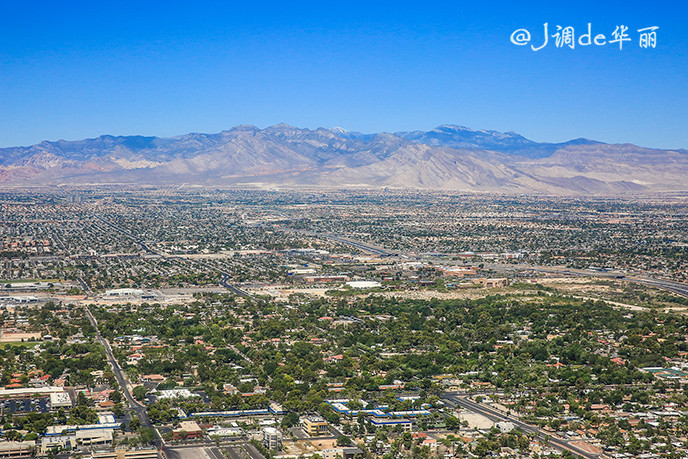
{"x": 60, "y": 400}
{"x": 176, "y": 393}
{"x": 91, "y": 437}
{"x": 272, "y": 438}
{"x": 144, "y": 453}
{"x": 187, "y": 429}
{"x": 122, "y": 293}
{"x": 224, "y": 432}
{"x": 11, "y": 449}
{"x": 364, "y": 284}
{"x": 24, "y": 392}
{"x": 69, "y": 429}
{"x": 325, "y": 279}
{"x": 314, "y": 425}
{"x": 56, "y": 442}
{"x": 106, "y": 418}
{"x": 406, "y": 424}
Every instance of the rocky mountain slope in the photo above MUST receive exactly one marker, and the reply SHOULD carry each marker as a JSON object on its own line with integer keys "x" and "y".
{"x": 448, "y": 157}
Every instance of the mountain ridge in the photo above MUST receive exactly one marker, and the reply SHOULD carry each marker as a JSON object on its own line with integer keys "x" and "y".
{"x": 447, "y": 157}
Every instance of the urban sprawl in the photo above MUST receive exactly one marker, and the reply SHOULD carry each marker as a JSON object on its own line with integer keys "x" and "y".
{"x": 198, "y": 323}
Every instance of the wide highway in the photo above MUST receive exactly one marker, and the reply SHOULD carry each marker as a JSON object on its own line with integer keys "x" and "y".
{"x": 497, "y": 416}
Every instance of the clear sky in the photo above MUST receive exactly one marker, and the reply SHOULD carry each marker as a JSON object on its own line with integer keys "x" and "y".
{"x": 71, "y": 70}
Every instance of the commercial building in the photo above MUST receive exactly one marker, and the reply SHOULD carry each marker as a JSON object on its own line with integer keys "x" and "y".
{"x": 56, "y": 442}
{"x": 224, "y": 432}
{"x": 272, "y": 438}
{"x": 146, "y": 453}
{"x": 492, "y": 283}
{"x": 123, "y": 293}
{"x": 325, "y": 279}
{"x": 19, "y": 449}
{"x": 406, "y": 424}
{"x": 29, "y": 392}
{"x": 175, "y": 393}
{"x": 364, "y": 284}
{"x": 67, "y": 437}
{"x": 69, "y": 429}
{"x": 314, "y": 425}
{"x": 187, "y": 430}
{"x": 60, "y": 400}
{"x": 94, "y": 437}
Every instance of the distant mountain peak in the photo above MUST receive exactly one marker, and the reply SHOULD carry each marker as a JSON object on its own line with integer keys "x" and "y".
{"x": 280, "y": 126}
{"x": 512, "y": 143}
{"x": 452, "y": 127}
{"x": 244, "y": 127}
{"x": 448, "y": 157}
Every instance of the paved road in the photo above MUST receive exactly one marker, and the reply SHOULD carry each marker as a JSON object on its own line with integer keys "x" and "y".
{"x": 195, "y": 452}
{"x": 253, "y": 453}
{"x": 244, "y": 356}
{"x": 366, "y": 247}
{"x": 245, "y": 451}
{"x": 226, "y": 284}
{"x": 498, "y": 416}
{"x": 236, "y": 452}
{"x": 676, "y": 287}
{"x": 214, "y": 453}
{"x": 124, "y": 383}
{"x": 198, "y": 452}
{"x": 84, "y": 286}
{"x": 299, "y": 433}
{"x": 58, "y": 240}
{"x": 137, "y": 239}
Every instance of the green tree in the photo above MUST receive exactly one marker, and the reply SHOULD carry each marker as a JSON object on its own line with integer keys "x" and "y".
{"x": 139, "y": 393}
{"x": 343, "y": 440}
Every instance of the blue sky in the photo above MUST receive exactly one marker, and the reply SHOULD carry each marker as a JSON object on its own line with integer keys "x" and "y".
{"x": 71, "y": 70}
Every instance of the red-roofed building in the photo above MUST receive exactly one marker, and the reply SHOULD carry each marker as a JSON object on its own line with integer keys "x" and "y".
{"x": 334, "y": 358}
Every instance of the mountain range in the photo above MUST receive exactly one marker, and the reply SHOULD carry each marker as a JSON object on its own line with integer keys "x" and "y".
{"x": 447, "y": 157}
